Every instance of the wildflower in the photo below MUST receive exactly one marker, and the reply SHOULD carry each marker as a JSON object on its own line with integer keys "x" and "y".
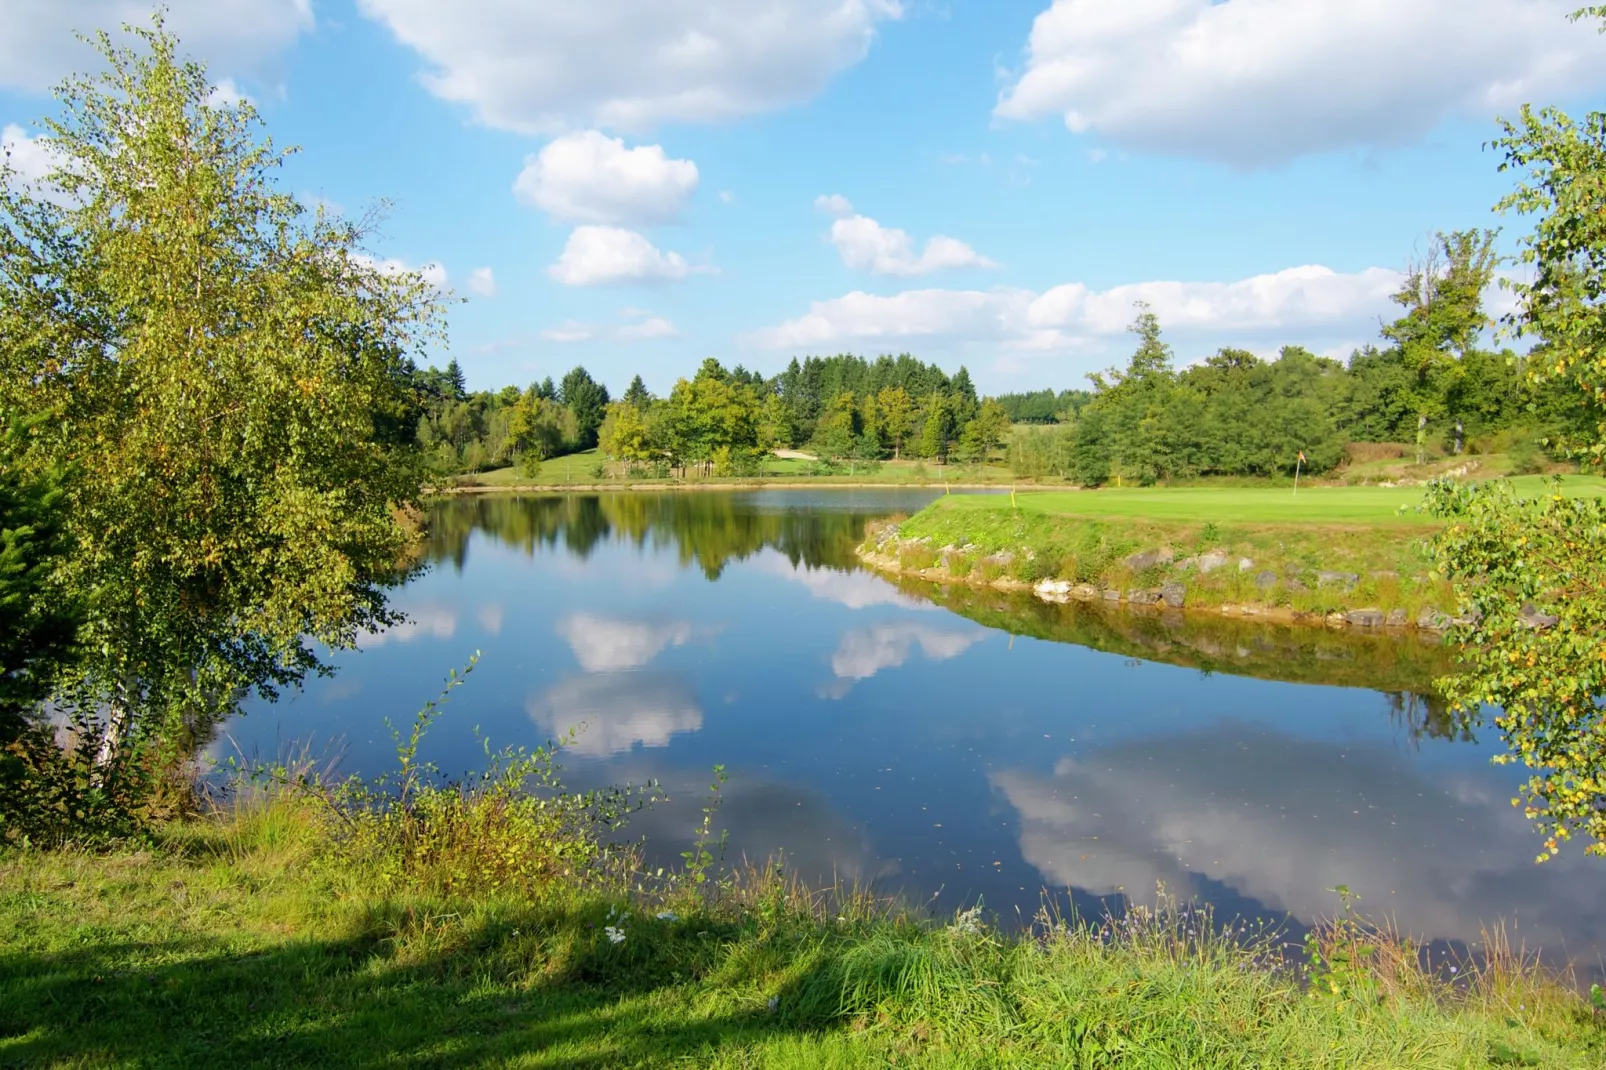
{"x": 775, "y": 1001}
{"x": 967, "y": 922}
{"x": 668, "y": 915}
{"x": 615, "y": 935}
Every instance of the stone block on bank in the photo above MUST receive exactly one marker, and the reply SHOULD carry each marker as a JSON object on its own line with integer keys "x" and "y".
{"x": 1147, "y": 559}
{"x": 1346, "y": 580}
{"x": 1053, "y": 590}
{"x": 1432, "y": 620}
{"x": 1174, "y": 595}
{"x": 1366, "y": 618}
{"x": 1538, "y": 621}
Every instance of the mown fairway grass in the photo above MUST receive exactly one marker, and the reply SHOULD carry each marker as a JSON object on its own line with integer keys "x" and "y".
{"x": 240, "y": 942}
{"x": 1248, "y": 505}
{"x": 1375, "y": 537}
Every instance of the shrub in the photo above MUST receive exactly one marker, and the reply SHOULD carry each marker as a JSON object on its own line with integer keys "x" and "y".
{"x": 509, "y": 828}
{"x": 1365, "y": 452}
{"x": 1035, "y": 568}
{"x": 916, "y": 557}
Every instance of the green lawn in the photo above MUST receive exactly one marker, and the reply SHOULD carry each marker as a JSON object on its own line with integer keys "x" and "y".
{"x": 1248, "y": 505}
{"x": 578, "y": 470}
{"x": 240, "y": 946}
{"x": 1094, "y": 536}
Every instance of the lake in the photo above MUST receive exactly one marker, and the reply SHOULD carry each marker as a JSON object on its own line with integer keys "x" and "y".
{"x": 948, "y": 745}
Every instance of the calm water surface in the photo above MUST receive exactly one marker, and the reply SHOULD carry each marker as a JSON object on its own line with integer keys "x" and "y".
{"x": 946, "y": 744}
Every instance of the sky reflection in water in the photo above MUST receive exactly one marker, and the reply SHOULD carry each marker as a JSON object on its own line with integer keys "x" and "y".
{"x": 900, "y": 735}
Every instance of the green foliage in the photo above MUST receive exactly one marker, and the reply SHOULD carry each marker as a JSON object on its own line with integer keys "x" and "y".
{"x": 38, "y": 626}
{"x": 1531, "y": 569}
{"x": 1340, "y": 957}
{"x": 1532, "y": 572}
{"x": 588, "y": 400}
{"x": 232, "y": 381}
{"x": 246, "y": 951}
{"x": 1044, "y": 406}
{"x": 1562, "y": 161}
{"x": 509, "y": 828}
{"x": 699, "y": 857}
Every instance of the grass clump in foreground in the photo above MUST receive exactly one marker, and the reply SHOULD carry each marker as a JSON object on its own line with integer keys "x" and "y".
{"x": 417, "y": 922}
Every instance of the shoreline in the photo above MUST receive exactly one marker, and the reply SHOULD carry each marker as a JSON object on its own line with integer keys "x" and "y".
{"x": 1158, "y": 580}
{"x": 1063, "y": 592}
{"x": 633, "y": 488}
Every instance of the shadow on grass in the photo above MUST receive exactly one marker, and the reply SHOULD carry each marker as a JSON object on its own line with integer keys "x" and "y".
{"x": 541, "y": 989}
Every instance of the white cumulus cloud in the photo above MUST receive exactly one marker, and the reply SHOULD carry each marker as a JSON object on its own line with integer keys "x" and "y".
{"x": 1258, "y": 82}
{"x": 29, "y": 157}
{"x": 604, "y": 256}
{"x": 653, "y": 327}
{"x": 866, "y": 245}
{"x": 483, "y": 282}
{"x": 433, "y": 271}
{"x": 227, "y": 94}
{"x": 650, "y": 328}
{"x": 588, "y": 177}
{"x": 38, "y": 47}
{"x": 569, "y": 331}
{"x": 537, "y": 66}
{"x": 1073, "y": 316}
{"x": 834, "y": 204}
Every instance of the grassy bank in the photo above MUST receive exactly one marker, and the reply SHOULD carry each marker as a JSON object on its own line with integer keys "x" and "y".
{"x": 591, "y": 471}
{"x": 241, "y": 941}
{"x": 1327, "y": 550}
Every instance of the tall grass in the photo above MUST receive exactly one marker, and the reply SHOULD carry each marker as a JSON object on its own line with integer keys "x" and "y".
{"x": 503, "y": 920}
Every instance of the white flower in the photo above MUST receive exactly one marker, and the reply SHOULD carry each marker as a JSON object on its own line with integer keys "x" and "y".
{"x": 668, "y": 915}
{"x": 775, "y": 1001}
{"x": 968, "y": 922}
{"x": 615, "y": 935}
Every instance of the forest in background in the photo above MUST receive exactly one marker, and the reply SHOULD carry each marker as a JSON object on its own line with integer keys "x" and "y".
{"x": 1429, "y": 384}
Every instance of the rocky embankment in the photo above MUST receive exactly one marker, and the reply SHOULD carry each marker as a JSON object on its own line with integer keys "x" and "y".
{"x": 1162, "y": 578}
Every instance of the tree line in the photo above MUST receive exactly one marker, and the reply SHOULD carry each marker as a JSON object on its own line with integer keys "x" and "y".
{"x": 1430, "y": 385}
{"x": 842, "y": 408}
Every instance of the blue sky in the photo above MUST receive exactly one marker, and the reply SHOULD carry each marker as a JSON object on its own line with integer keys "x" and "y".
{"x": 637, "y": 184}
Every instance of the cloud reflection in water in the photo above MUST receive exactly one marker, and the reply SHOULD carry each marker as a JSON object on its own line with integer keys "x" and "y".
{"x": 1283, "y": 820}
{"x": 611, "y": 713}
{"x": 609, "y": 644}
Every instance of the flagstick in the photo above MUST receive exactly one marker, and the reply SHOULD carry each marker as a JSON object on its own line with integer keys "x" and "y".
{"x": 1297, "y": 466}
